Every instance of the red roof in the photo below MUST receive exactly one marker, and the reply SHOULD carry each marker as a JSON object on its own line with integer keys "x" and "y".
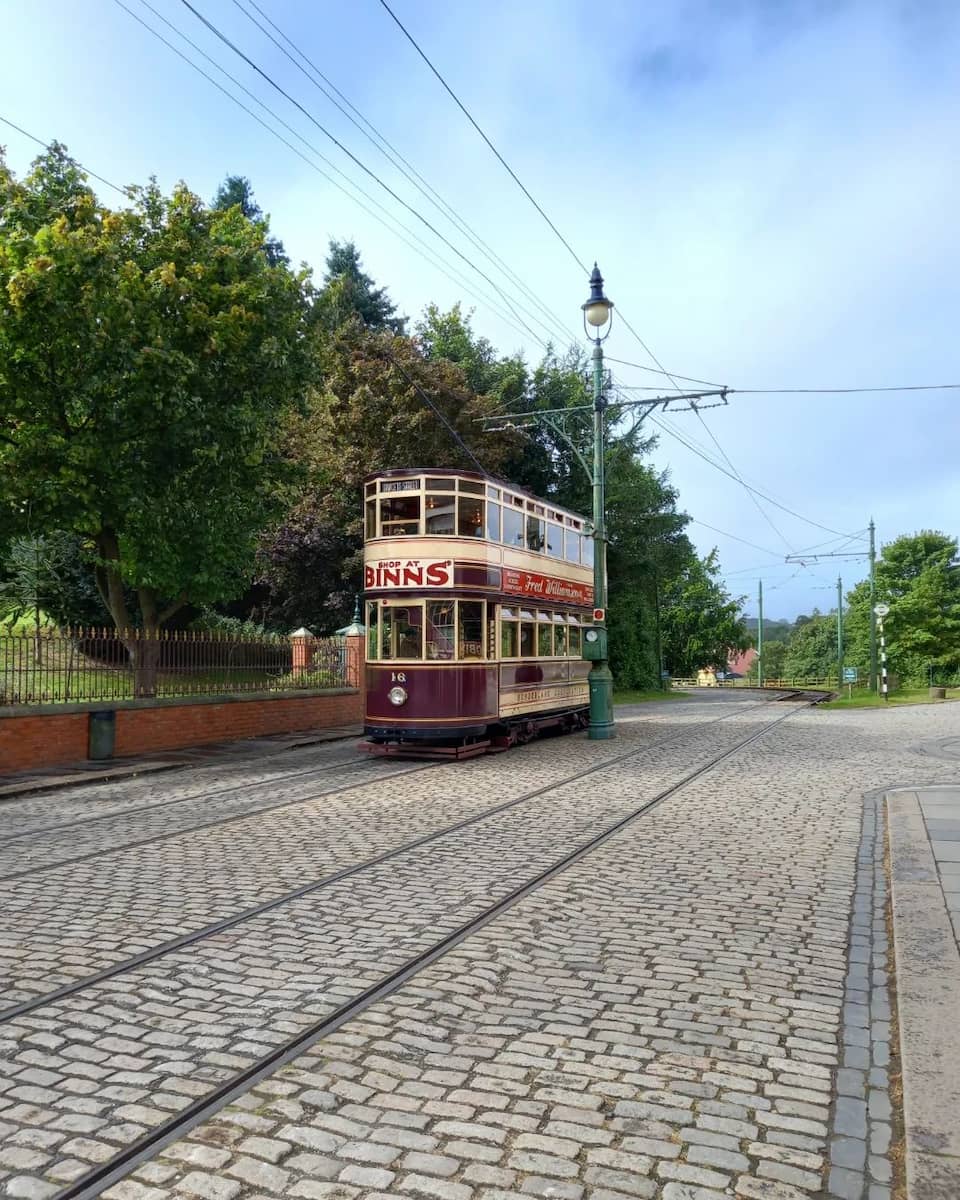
{"x": 740, "y": 663}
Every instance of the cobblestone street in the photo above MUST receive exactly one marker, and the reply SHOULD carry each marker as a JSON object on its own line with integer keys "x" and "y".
{"x": 698, "y": 1007}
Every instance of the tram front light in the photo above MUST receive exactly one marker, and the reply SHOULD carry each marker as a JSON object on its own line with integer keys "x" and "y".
{"x": 397, "y": 695}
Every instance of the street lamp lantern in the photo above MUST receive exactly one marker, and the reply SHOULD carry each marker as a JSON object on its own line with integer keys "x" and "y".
{"x": 598, "y": 309}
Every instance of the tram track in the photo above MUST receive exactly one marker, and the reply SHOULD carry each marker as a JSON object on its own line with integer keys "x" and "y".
{"x": 367, "y": 767}
{"x": 200, "y": 796}
{"x": 221, "y": 925}
{"x": 200, "y": 1108}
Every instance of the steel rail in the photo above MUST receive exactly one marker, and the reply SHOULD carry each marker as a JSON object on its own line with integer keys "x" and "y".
{"x": 124, "y": 812}
{"x": 253, "y": 812}
{"x": 215, "y": 927}
{"x": 101, "y": 1176}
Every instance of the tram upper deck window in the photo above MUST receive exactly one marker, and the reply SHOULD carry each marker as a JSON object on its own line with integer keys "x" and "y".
{"x": 399, "y": 516}
{"x": 513, "y": 531}
{"x": 493, "y": 521}
{"x": 441, "y": 512}
{"x": 571, "y": 545}
{"x": 470, "y": 517}
{"x": 536, "y": 534}
{"x": 402, "y": 632}
{"x": 554, "y": 540}
{"x": 586, "y": 549}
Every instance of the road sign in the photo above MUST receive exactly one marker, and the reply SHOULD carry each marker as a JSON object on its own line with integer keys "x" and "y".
{"x": 599, "y": 614}
{"x": 881, "y": 609}
{"x": 849, "y": 674}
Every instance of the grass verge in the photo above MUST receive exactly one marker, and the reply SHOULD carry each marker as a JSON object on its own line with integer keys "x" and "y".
{"x": 862, "y": 698}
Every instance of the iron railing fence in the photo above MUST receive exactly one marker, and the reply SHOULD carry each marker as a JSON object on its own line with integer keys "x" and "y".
{"x": 72, "y": 665}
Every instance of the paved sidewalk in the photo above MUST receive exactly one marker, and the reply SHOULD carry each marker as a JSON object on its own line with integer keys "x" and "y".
{"x": 925, "y": 870}
{"x": 24, "y": 783}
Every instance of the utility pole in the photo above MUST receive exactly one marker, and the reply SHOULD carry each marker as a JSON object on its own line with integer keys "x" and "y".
{"x": 656, "y": 608}
{"x": 839, "y": 635}
{"x": 760, "y": 633}
{"x": 873, "y": 615}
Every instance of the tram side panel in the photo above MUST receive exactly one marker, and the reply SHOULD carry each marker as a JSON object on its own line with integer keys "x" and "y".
{"x": 459, "y": 700}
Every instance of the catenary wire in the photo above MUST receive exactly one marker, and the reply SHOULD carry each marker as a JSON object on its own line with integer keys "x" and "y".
{"x": 385, "y": 147}
{"x": 726, "y": 458}
{"x": 713, "y": 463}
{"x": 438, "y": 413}
{"x": 736, "y": 538}
{"x": 456, "y": 99}
{"x": 46, "y": 145}
{"x": 388, "y": 221}
{"x": 657, "y": 371}
{"x": 911, "y": 387}
{"x": 218, "y": 33}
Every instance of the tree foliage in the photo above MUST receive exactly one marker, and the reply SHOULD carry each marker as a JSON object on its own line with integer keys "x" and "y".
{"x": 348, "y": 293}
{"x": 149, "y": 358}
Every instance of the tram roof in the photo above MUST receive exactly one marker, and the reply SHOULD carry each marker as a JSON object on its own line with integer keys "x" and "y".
{"x": 457, "y": 473}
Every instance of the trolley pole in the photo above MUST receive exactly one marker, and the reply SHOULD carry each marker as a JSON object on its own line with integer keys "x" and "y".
{"x": 839, "y": 635}
{"x": 873, "y": 615}
{"x": 600, "y": 679}
{"x": 760, "y": 633}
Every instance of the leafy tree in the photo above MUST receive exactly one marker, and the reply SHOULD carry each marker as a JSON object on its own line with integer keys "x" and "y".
{"x": 50, "y": 575}
{"x": 148, "y": 361}
{"x": 774, "y": 660}
{"x": 365, "y": 416}
{"x": 702, "y": 623}
{"x": 812, "y": 650}
{"x": 349, "y": 293}
{"x": 237, "y": 189}
{"x": 918, "y": 575}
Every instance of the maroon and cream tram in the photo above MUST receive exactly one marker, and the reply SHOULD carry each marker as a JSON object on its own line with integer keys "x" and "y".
{"x": 477, "y": 596}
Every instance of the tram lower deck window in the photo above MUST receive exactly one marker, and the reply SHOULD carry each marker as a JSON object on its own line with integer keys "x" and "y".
{"x": 402, "y": 632}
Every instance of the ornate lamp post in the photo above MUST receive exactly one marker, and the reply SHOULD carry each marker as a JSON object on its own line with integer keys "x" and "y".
{"x": 597, "y": 321}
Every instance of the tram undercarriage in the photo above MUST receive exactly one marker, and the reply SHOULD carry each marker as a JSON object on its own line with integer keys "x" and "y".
{"x": 492, "y": 740}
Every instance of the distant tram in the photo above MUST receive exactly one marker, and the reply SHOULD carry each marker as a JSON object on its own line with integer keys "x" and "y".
{"x": 477, "y": 597}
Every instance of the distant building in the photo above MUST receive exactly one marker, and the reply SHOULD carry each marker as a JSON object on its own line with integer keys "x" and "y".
{"x": 739, "y": 665}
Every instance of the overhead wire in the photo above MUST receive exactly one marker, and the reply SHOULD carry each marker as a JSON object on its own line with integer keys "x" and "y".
{"x": 713, "y": 463}
{"x": 736, "y": 538}
{"x": 459, "y": 103}
{"x": 218, "y": 33}
{"x": 437, "y": 412}
{"x": 46, "y": 145}
{"x": 388, "y": 220}
{"x": 726, "y": 458}
{"x": 385, "y": 147}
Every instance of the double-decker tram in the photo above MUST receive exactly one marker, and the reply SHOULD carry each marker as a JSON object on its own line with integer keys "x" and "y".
{"x": 477, "y": 596}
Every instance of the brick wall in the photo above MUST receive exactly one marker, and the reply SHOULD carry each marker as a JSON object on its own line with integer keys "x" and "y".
{"x": 38, "y": 740}
{"x": 46, "y": 739}
{"x": 142, "y": 730}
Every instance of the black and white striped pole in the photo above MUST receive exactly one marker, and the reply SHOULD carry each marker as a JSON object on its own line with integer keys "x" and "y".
{"x": 880, "y": 611}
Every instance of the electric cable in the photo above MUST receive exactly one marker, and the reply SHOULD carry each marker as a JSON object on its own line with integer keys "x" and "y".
{"x": 428, "y": 253}
{"x": 46, "y": 145}
{"x": 456, "y": 99}
{"x": 385, "y": 147}
{"x": 359, "y": 162}
{"x": 438, "y": 413}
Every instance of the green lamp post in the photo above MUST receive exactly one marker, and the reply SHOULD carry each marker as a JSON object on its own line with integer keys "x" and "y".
{"x": 597, "y": 320}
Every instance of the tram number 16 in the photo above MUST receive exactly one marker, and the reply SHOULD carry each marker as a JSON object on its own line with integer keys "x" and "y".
{"x": 398, "y": 677}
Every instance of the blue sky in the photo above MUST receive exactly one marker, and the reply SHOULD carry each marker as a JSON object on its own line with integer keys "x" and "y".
{"x": 771, "y": 188}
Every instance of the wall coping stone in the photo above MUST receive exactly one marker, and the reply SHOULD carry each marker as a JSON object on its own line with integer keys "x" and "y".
{"x": 57, "y": 710}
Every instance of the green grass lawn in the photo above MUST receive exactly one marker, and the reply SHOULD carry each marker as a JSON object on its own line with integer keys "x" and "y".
{"x": 862, "y": 698}
{"x": 633, "y": 697}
